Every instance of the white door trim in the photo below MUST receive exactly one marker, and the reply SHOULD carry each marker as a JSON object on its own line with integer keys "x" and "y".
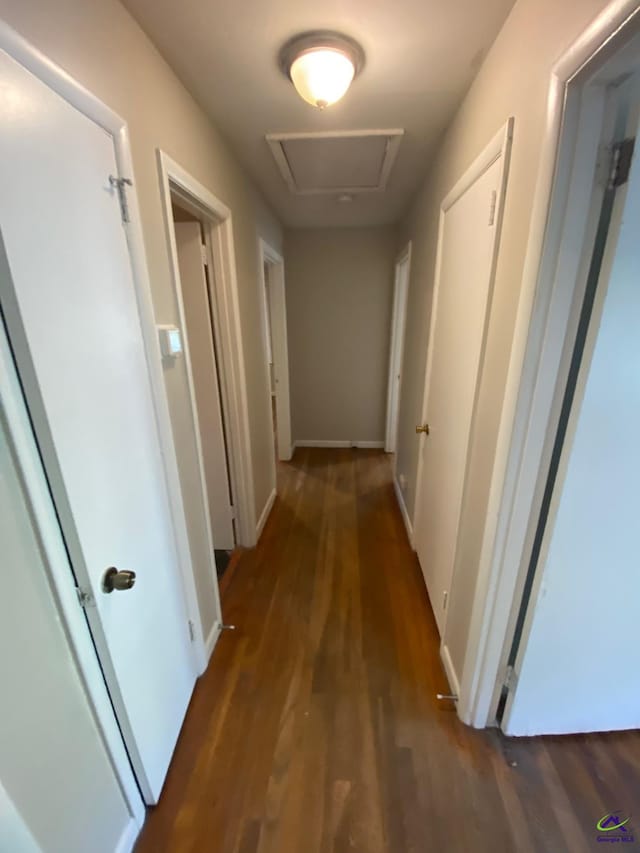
{"x": 93, "y": 108}
{"x": 280, "y": 347}
{"x": 549, "y": 279}
{"x": 398, "y": 324}
{"x": 23, "y": 445}
{"x": 224, "y": 296}
{"x": 498, "y": 147}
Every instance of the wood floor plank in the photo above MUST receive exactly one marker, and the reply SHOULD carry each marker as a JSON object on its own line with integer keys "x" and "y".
{"x": 316, "y": 728}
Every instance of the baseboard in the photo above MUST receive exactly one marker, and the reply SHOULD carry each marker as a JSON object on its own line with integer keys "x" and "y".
{"x": 403, "y": 510}
{"x": 128, "y": 837}
{"x": 264, "y": 515}
{"x": 322, "y": 443}
{"x": 445, "y": 657}
{"x": 212, "y": 639}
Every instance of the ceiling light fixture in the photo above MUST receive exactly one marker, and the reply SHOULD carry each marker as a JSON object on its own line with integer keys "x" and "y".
{"x": 321, "y": 65}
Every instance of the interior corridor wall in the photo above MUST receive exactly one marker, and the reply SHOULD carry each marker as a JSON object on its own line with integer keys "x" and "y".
{"x": 513, "y": 81}
{"x": 102, "y": 47}
{"x": 339, "y": 300}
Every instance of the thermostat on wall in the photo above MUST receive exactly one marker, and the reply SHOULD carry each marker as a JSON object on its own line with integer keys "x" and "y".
{"x": 170, "y": 341}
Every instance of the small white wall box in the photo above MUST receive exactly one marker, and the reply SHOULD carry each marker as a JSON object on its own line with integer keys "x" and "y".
{"x": 170, "y": 341}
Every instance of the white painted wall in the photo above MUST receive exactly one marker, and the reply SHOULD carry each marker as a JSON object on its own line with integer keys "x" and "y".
{"x": 577, "y": 669}
{"x": 56, "y": 778}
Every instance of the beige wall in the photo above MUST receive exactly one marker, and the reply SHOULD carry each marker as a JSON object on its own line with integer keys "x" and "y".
{"x": 513, "y": 81}
{"x": 100, "y": 45}
{"x": 339, "y": 294}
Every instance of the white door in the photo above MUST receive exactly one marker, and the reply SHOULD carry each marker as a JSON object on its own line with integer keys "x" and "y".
{"x": 42, "y": 690}
{"x": 73, "y": 319}
{"x": 275, "y": 314}
{"x": 14, "y": 832}
{"x": 578, "y": 657}
{"x": 468, "y": 231}
{"x": 398, "y": 323}
{"x": 202, "y": 356}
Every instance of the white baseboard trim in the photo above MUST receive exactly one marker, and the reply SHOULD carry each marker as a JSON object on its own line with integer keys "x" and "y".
{"x": 322, "y": 443}
{"x": 403, "y": 510}
{"x": 212, "y": 639}
{"x": 128, "y": 837}
{"x": 445, "y": 657}
{"x": 264, "y": 515}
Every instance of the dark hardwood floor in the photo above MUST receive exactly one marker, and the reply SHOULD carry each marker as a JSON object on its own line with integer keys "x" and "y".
{"x": 316, "y": 727}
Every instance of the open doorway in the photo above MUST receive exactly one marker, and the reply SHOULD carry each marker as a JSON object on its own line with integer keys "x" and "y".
{"x": 274, "y": 315}
{"x": 582, "y": 547}
{"x": 195, "y": 271}
{"x": 396, "y": 350}
{"x": 209, "y": 418}
{"x": 586, "y": 185}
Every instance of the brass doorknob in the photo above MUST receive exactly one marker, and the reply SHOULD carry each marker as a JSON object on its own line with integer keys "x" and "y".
{"x": 114, "y": 579}
{"x": 424, "y": 428}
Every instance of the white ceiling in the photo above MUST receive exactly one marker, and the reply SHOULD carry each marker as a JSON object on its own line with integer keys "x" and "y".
{"x": 421, "y": 56}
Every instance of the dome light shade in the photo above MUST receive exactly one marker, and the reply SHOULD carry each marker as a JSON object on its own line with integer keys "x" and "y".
{"x": 321, "y": 66}
{"x": 322, "y": 76}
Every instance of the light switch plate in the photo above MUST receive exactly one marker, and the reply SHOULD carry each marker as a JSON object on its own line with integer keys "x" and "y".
{"x": 170, "y": 341}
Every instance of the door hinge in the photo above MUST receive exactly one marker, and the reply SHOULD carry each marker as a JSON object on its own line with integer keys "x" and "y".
{"x": 233, "y": 512}
{"x": 492, "y": 207}
{"x": 509, "y": 679}
{"x": 620, "y": 163}
{"x": 445, "y": 598}
{"x": 85, "y": 597}
{"x": 192, "y": 631}
{"x": 204, "y": 254}
{"x": 121, "y": 184}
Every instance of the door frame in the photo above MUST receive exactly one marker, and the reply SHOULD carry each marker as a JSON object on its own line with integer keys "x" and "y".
{"x": 223, "y": 293}
{"x": 552, "y": 280}
{"x": 396, "y": 347}
{"x": 60, "y": 82}
{"x": 498, "y": 148}
{"x": 279, "y": 349}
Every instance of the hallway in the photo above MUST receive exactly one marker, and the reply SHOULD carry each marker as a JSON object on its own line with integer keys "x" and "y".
{"x": 316, "y": 727}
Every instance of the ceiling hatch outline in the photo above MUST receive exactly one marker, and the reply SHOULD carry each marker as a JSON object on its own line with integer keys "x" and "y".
{"x": 375, "y": 152}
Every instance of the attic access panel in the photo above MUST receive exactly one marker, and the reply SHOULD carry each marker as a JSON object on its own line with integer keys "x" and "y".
{"x": 357, "y": 161}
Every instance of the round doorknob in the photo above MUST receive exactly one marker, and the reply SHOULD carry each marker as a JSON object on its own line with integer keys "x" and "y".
{"x": 424, "y": 428}
{"x": 122, "y": 579}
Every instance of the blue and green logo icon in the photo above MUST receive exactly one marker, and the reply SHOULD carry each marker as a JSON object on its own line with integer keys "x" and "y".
{"x": 614, "y": 827}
